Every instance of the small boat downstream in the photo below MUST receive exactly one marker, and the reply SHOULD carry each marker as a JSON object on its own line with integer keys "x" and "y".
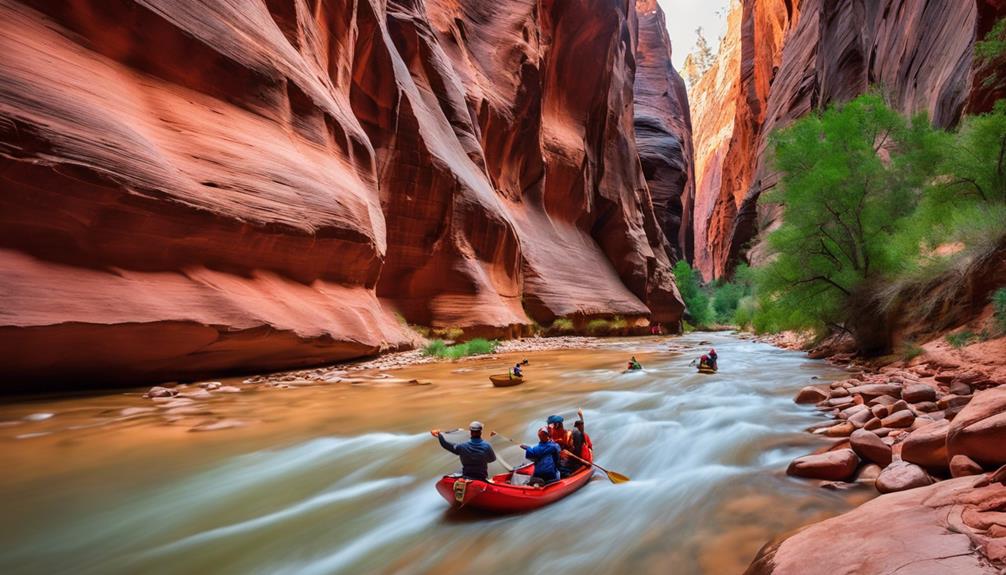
{"x": 506, "y": 380}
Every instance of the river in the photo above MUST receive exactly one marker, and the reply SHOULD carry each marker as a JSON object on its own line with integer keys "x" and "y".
{"x": 340, "y": 478}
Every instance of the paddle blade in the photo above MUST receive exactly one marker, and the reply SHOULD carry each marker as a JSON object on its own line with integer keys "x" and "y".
{"x": 617, "y": 477}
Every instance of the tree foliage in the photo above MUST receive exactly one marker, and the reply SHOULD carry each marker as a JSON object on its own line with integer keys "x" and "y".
{"x": 697, "y": 302}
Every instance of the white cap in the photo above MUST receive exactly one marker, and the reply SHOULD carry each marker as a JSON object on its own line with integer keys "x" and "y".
{"x": 475, "y": 426}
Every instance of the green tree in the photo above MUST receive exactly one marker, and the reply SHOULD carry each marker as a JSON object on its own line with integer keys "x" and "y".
{"x": 697, "y": 301}
{"x": 849, "y": 176}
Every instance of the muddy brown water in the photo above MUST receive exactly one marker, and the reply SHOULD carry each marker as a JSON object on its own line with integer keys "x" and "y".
{"x": 340, "y": 478}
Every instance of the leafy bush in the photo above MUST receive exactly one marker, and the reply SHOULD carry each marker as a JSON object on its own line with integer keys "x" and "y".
{"x": 563, "y": 325}
{"x": 990, "y": 51}
{"x": 618, "y": 323}
{"x": 745, "y": 312}
{"x": 999, "y": 303}
{"x": 435, "y": 348}
{"x": 478, "y": 346}
{"x": 961, "y": 339}
{"x": 598, "y": 327}
{"x": 910, "y": 351}
{"x": 697, "y": 301}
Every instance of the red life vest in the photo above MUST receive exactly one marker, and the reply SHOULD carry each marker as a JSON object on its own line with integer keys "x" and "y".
{"x": 587, "y": 451}
{"x": 563, "y": 437}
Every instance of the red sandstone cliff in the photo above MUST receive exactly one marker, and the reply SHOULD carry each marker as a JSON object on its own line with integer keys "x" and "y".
{"x": 785, "y": 58}
{"x": 664, "y": 129}
{"x": 259, "y": 184}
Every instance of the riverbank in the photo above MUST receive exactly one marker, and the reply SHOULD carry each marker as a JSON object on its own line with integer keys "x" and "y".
{"x": 926, "y": 430}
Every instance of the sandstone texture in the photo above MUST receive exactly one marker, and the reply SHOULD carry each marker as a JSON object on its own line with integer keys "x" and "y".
{"x": 783, "y": 59}
{"x": 255, "y": 185}
{"x": 948, "y": 527}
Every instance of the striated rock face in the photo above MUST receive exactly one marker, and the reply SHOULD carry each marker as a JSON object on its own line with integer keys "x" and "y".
{"x": 260, "y": 184}
{"x": 941, "y": 528}
{"x": 792, "y": 57}
{"x": 664, "y": 130}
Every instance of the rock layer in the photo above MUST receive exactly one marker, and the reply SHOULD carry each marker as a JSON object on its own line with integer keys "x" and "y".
{"x": 253, "y": 185}
{"x": 782, "y": 59}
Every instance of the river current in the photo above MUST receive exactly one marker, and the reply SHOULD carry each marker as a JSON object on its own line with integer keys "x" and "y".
{"x": 340, "y": 478}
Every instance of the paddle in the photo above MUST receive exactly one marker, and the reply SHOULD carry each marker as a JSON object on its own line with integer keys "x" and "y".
{"x": 612, "y": 476}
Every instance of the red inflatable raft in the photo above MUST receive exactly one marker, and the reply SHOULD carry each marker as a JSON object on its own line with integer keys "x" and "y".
{"x": 497, "y": 495}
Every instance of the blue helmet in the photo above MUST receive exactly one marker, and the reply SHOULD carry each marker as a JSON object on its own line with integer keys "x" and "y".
{"x": 554, "y": 419}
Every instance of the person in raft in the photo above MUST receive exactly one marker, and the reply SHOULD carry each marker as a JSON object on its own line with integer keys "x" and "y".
{"x": 712, "y": 358}
{"x": 516, "y": 372}
{"x": 581, "y": 446}
{"x": 704, "y": 362}
{"x": 545, "y": 456}
{"x": 475, "y": 454}
{"x": 634, "y": 365}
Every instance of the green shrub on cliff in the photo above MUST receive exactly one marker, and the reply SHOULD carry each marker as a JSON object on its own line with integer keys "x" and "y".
{"x": 477, "y": 346}
{"x": 563, "y": 325}
{"x": 999, "y": 304}
{"x": 697, "y": 301}
{"x": 850, "y": 174}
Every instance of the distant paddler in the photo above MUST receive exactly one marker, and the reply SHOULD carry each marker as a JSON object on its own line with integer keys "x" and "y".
{"x": 634, "y": 364}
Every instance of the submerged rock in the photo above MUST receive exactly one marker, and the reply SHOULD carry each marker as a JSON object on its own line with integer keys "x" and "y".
{"x": 838, "y": 465}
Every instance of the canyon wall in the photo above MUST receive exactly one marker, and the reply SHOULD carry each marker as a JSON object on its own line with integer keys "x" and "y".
{"x": 251, "y": 185}
{"x": 786, "y": 58}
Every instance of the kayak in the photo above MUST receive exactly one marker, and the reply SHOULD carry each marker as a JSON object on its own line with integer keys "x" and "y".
{"x": 706, "y": 370}
{"x": 498, "y": 496}
{"x": 506, "y": 380}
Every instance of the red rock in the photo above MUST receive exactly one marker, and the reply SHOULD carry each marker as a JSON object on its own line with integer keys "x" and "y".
{"x": 880, "y": 410}
{"x": 837, "y": 465}
{"x": 811, "y": 394}
{"x": 883, "y": 400}
{"x": 979, "y": 430}
{"x": 918, "y": 528}
{"x": 899, "y": 419}
{"x": 871, "y": 391}
{"x": 945, "y": 377}
{"x": 870, "y": 447}
{"x": 274, "y": 188}
{"x": 898, "y": 406}
{"x": 839, "y": 392}
{"x": 873, "y": 424}
{"x": 925, "y": 407}
{"x": 902, "y": 475}
{"x": 927, "y": 446}
{"x": 843, "y": 429}
{"x": 918, "y": 392}
{"x": 868, "y": 473}
{"x": 960, "y": 388}
{"x": 963, "y": 466}
{"x": 948, "y": 401}
{"x": 860, "y": 419}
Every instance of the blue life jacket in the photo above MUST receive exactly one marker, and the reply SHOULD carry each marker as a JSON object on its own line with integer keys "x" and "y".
{"x": 546, "y": 459}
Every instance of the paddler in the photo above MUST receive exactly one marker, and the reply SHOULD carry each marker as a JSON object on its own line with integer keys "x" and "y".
{"x": 475, "y": 454}
{"x": 634, "y": 365}
{"x": 545, "y": 456}
{"x": 581, "y": 446}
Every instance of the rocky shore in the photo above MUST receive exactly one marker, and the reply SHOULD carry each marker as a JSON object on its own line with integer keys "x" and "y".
{"x": 930, "y": 433}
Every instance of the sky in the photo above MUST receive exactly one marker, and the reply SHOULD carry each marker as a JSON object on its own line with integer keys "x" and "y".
{"x": 684, "y": 16}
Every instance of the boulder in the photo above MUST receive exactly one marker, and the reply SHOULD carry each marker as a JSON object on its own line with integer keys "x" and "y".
{"x": 899, "y": 405}
{"x": 874, "y": 390}
{"x": 882, "y": 400}
{"x": 925, "y": 407}
{"x": 860, "y": 419}
{"x": 962, "y": 466}
{"x": 870, "y": 447}
{"x": 945, "y": 377}
{"x": 873, "y": 423}
{"x": 880, "y": 411}
{"x": 811, "y": 394}
{"x": 838, "y": 465}
{"x": 868, "y": 473}
{"x": 979, "y": 430}
{"x": 960, "y": 388}
{"x": 843, "y": 429}
{"x": 902, "y": 475}
{"x": 927, "y": 446}
{"x": 948, "y": 401}
{"x": 159, "y": 391}
{"x": 840, "y": 392}
{"x": 903, "y": 418}
{"x": 918, "y": 392}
